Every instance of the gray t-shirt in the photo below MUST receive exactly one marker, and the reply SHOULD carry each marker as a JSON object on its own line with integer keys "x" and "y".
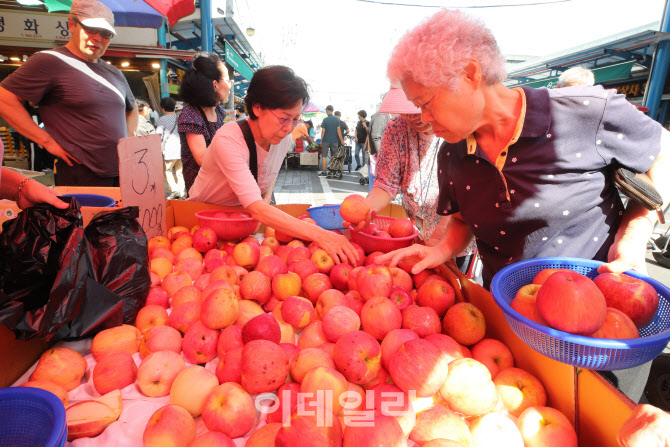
{"x": 83, "y": 105}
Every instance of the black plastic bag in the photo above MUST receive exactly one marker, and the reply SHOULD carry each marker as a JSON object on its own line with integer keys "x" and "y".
{"x": 118, "y": 251}
{"x": 97, "y": 278}
{"x": 31, "y": 247}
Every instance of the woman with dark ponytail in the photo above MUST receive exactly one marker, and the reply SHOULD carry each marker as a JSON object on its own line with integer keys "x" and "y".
{"x": 203, "y": 88}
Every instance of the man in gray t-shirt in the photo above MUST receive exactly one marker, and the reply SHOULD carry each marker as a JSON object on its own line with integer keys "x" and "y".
{"x": 85, "y": 103}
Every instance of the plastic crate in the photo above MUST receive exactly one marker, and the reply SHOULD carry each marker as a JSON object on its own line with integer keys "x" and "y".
{"x": 227, "y": 229}
{"x": 579, "y": 350}
{"x": 327, "y": 216}
{"x": 31, "y": 417}
{"x": 372, "y": 243}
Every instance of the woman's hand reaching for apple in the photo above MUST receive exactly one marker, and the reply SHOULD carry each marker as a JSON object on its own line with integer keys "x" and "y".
{"x": 648, "y": 426}
{"x": 429, "y": 257}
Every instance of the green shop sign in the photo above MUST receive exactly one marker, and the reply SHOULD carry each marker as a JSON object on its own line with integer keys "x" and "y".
{"x": 238, "y": 63}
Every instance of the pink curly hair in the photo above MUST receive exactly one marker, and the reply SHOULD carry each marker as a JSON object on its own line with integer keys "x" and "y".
{"x": 434, "y": 52}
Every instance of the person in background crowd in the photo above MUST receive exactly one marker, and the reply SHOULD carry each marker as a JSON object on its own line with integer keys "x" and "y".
{"x": 576, "y": 76}
{"x": 331, "y": 137}
{"x": 80, "y": 128}
{"x": 203, "y": 88}
{"x": 361, "y": 135}
{"x": 144, "y": 126}
{"x": 236, "y": 171}
{"x": 344, "y": 129}
{"x": 240, "y": 112}
{"x": 301, "y": 133}
{"x": 153, "y": 117}
{"x": 527, "y": 171}
{"x": 167, "y": 128}
{"x": 25, "y": 191}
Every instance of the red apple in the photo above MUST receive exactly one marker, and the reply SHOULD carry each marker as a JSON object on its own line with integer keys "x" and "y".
{"x": 314, "y": 285}
{"x": 303, "y": 267}
{"x": 571, "y": 302}
{"x": 617, "y": 325}
{"x": 418, "y": 366}
{"x": 264, "y": 366}
{"x": 246, "y": 254}
{"x": 338, "y": 321}
{"x": 401, "y": 228}
{"x": 436, "y": 294}
{"x": 324, "y": 263}
{"x": 525, "y": 302}
{"x": 422, "y": 320}
{"x": 493, "y": 354}
{"x": 543, "y": 426}
{"x": 379, "y": 316}
{"x": 339, "y": 276}
{"x": 392, "y": 342}
{"x": 374, "y": 280}
{"x": 204, "y": 239}
{"x": 354, "y": 209}
{"x": 261, "y": 327}
{"x": 357, "y": 355}
{"x": 632, "y": 296}
{"x": 256, "y": 286}
{"x": 199, "y": 344}
{"x": 542, "y": 275}
{"x": 271, "y": 266}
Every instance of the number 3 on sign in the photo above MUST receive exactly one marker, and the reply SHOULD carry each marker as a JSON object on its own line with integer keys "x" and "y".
{"x": 141, "y": 180}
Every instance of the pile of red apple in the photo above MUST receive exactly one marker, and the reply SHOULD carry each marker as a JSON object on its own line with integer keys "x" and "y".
{"x": 612, "y": 305}
{"x": 335, "y": 355}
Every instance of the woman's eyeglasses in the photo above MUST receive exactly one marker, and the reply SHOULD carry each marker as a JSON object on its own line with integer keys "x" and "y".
{"x": 105, "y": 34}
{"x": 287, "y": 121}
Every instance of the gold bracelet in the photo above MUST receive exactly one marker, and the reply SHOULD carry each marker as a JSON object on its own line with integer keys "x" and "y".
{"x": 18, "y": 194}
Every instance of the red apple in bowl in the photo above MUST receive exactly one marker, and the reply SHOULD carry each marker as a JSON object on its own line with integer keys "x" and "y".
{"x": 634, "y": 297}
{"x": 572, "y": 303}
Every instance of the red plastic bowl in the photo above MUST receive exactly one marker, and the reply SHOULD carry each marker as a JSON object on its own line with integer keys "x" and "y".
{"x": 227, "y": 229}
{"x": 372, "y": 243}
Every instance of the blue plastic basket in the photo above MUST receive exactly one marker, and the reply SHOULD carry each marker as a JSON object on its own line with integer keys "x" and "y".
{"x": 31, "y": 417}
{"x": 578, "y": 350}
{"x": 327, "y": 216}
{"x": 93, "y": 200}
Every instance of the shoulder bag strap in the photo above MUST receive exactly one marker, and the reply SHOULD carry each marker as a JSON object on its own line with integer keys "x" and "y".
{"x": 251, "y": 145}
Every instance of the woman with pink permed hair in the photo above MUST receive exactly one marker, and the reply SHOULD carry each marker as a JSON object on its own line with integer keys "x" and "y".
{"x": 526, "y": 171}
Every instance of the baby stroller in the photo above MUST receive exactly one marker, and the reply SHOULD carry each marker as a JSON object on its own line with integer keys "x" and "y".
{"x": 336, "y": 164}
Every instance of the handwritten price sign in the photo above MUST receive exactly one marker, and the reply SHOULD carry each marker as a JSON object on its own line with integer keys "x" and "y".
{"x": 141, "y": 180}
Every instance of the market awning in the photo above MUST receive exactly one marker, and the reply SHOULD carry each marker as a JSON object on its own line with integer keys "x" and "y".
{"x": 604, "y": 74}
{"x": 137, "y": 13}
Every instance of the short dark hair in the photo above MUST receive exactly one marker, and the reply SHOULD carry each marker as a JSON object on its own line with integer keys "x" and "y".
{"x": 311, "y": 124}
{"x": 168, "y": 104}
{"x": 337, "y": 113}
{"x": 240, "y": 108}
{"x": 275, "y": 87}
{"x": 329, "y": 107}
{"x": 141, "y": 104}
{"x": 363, "y": 113}
{"x": 196, "y": 84}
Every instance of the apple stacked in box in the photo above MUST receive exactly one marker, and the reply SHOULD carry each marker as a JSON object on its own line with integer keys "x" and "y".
{"x": 340, "y": 355}
{"x": 612, "y": 305}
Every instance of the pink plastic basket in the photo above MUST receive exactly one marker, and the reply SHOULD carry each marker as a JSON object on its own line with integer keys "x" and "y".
{"x": 375, "y": 243}
{"x": 227, "y": 229}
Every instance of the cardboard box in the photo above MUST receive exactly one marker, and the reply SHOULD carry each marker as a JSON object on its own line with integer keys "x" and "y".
{"x": 309, "y": 158}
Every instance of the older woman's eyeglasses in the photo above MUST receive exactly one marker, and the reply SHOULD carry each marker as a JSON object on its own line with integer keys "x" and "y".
{"x": 105, "y": 34}
{"x": 287, "y": 121}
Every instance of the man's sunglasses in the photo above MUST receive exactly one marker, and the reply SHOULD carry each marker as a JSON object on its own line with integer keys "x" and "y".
{"x": 105, "y": 34}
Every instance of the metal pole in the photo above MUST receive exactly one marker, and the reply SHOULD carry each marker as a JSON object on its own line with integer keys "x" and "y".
{"x": 206, "y": 27}
{"x": 165, "y": 88}
{"x": 659, "y": 68}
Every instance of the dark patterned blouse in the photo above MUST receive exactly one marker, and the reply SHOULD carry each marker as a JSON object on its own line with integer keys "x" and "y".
{"x": 191, "y": 121}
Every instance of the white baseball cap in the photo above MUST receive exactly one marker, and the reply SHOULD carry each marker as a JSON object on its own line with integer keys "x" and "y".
{"x": 93, "y": 14}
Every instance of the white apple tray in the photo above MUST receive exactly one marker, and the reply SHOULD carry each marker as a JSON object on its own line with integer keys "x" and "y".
{"x": 578, "y": 350}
